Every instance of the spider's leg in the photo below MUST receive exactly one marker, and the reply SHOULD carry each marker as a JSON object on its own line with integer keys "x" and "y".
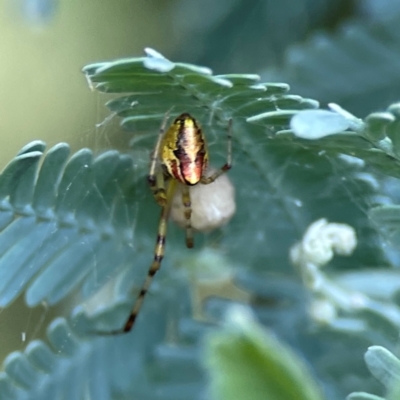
{"x": 159, "y": 192}
{"x": 155, "y": 182}
{"x": 158, "y": 256}
{"x": 154, "y": 267}
{"x": 227, "y": 166}
{"x": 188, "y": 213}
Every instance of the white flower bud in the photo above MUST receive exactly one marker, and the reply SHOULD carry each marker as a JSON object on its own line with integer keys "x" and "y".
{"x": 316, "y": 249}
{"x": 323, "y": 311}
{"x": 321, "y": 241}
{"x": 342, "y": 238}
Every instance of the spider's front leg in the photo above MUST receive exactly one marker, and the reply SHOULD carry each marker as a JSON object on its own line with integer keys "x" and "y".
{"x": 156, "y": 177}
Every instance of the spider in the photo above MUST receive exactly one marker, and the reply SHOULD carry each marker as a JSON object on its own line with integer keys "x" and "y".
{"x": 180, "y": 157}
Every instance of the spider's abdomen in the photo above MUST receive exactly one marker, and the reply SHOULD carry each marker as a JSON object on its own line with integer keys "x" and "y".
{"x": 183, "y": 151}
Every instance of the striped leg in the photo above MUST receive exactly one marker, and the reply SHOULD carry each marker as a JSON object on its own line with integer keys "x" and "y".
{"x": 155, "y": 265}
{"x": 227, "y": 166}
{"x": 156, "y": 180}
{"x": 188, "y": 212}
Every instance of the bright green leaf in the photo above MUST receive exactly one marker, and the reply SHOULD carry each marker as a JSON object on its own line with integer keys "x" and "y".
{"x": 248, "y": 363}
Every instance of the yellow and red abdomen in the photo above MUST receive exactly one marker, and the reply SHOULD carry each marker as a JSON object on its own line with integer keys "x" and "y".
{"x": 183, "y": 151}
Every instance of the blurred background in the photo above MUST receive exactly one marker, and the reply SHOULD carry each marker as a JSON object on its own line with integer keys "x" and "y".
{"x": 44, "y": 45}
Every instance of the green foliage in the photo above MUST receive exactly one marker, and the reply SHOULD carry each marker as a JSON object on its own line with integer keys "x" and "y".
{"x": 373, "y": 141}
{"x": 247, "y": 363}
{"x": 386, "y": 368}
{"x": 258, "y": 29}
{"x": 52, "y": 208}
{"x": 159, "y": 85}
{"x": 363, "y": 396}
{"x": 82, "y": 228}
{"x": 383, "y": 365}
{"x": 355, "y": 67}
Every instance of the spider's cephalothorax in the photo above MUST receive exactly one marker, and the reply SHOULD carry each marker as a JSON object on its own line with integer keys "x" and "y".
{"x": 180, "y": 157}
{"x": 183, "y": 151}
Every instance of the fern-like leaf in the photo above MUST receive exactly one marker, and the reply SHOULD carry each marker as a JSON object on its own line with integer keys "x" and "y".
{"x": 61, "y": 219}
{"x": 357, "y": 67}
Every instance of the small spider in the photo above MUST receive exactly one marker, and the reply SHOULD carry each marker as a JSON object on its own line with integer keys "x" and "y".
{"x": 180, "y": 157}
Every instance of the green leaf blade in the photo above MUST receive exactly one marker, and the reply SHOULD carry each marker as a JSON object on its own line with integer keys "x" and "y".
{"x": 248, "y": 363}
